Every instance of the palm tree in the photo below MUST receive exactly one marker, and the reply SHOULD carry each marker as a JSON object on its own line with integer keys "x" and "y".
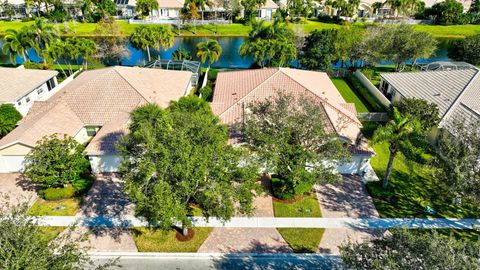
{"x": 86, "y": 48}
{"x": 55, "y": 52}
{"x": 42, "y": 34}
{"x": 164, "y": 38}
{"x": 143, "y": 38}
{"x": 209, "y": 50}
{"x": 403, "y": 134}
{"x": 16, "y": 42}
{"x": 181, "y": 54}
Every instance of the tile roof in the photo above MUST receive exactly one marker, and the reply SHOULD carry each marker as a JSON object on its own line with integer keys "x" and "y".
{"x": 170, "y": 3}
{"x": 269, "y": 4}
{"x": 235, "y": 89}
{"x": 17, "y": 82}
{"x": 97, "y": 97}
{"x": 439, "y": 87}
{"x": 104, "y": 141}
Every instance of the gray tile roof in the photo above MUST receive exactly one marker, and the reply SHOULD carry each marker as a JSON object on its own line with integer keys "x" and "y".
{"x": 17, "y": 82}
{"x": 439, "y": 87}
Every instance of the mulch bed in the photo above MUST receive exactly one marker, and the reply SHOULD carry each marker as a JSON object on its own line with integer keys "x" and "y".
{"x": 292, "y": 200}
{"x": 183, "y": 238}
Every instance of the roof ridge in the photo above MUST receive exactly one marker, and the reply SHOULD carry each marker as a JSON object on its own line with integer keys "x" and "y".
{"x": 324, "y": 100}
{"x": 253, "y": 89}
{"x": 128, "y": 82}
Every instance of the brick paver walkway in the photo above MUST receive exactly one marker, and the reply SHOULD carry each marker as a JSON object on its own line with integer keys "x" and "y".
{"x": 346, "y": 199}
{"x": 258, "y": 240}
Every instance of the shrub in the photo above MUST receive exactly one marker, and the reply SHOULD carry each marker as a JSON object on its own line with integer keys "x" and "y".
{"x": 54, "y": 194}
{"x": 357, "y": 85}
{"x": 9, "y": 116}
{"x": 284, "y": 190}
{"x": 84, "y": 184}
{"x": 207, "y": 93}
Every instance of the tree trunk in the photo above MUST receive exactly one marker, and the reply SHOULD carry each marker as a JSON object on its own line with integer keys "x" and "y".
{"x": 389, "y": 168}
{"x": 148, "y": 53}
{"x": 184, "y": 229}
{"x": 159, "y": 50}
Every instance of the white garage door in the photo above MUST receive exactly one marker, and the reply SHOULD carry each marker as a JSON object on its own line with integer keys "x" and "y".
{"x": 105, "y": 163}
{"x": 11, "y": 163}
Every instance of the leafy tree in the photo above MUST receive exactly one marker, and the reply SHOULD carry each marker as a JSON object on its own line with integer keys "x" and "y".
{"x": 164, "y": 38}
{"x": 447, "y": 12}
{"x": 111, "y": 47}
{"x": 346, "y": 40}
{"x": 289, "y": 135}
{"x": 82, "y": 47}
{"x": 17, "y": 42}
{"x": 467, "y": 50}
{"x": 426, "y": 113}
{"x": 458, "y": 154}
{"x": 403, "y": 134}
{"x": 298, "y": 8}
{"x": 180, "y": 155}
{"x": 270, "y": 44}
{"x": 411, "y": 250}
{"x": 209, "y": 50}
{"x": 41, "y": 34}
{"x": 146, "y": 6}
{"x": 56, "y": 161}
{"x": 24, "y": 245}
{"x": 8, "y": 10}
{"x": 232, "y": 8}
{"x": 319, "y": 50}
{"x": 190, "y": 12}
{"x": 345, "y": 8}
{"x": 250, "y": 7}
{"x": 9, "y": 116}
{"x": 143, "y": 38}
{"x": 181, "y": 54}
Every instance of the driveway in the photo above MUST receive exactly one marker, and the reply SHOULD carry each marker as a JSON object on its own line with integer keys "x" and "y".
{"x": 16, "y": 189}
{"x": 348, "y": 198}
{"x": 106, "y": 198}
{"x": 257, "y": 240}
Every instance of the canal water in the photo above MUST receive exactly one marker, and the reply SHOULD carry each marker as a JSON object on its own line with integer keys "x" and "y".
{"x": 230, "y": 58}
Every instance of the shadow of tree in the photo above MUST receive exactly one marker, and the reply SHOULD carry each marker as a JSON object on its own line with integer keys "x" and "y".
{"x": 26, "y": 184}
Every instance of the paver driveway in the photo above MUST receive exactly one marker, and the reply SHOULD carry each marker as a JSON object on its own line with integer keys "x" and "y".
{"x": 258, "y": 240}
{"x": 348, "y": 198}
{"x": 16, "y": 189}
{"x": 106, "y": 198}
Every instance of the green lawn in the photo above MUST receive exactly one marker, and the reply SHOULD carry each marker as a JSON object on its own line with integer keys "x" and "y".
{"x": 88, "y": 29}
{"x": 151, "y": 240}
{"x": 301, "y": 240}
{"x": 306, "y": 240}
{"x": 350, "y": 95}
{"x": 412, "y": 188}
{"x": 48, "y": 233}
{"x": 67, "y": 207}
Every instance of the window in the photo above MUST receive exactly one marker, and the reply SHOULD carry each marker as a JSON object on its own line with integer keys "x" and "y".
{"x": 91, "y": 131}
{"x": 27, "y": 99}
{"x": 39, "y": 91}
{"x": 19, "y": 103}
{"x": 51, "y": 84}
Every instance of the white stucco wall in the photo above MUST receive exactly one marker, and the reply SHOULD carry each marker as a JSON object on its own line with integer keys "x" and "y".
{"x": 39, "y": 93}
{"x": 105, "y": 163}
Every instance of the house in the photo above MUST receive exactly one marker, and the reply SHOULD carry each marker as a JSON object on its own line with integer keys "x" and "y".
{"x": 456, "y": 92}
{"x": 21, "y": 87}
{"x": 126, "y": 8}
{"x": 234, "y": 90}
{"x": 94, "y": 109}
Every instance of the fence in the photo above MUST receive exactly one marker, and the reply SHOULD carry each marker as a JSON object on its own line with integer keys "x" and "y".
{"x": 372, "y": 89}
{"x": 373, "y": 117}
{"x": 178, "y": 22}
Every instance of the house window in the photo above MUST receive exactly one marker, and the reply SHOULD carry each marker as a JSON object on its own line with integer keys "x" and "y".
{"x": 27, "y": 99}
{"x": 91, "y": 131}
{"x": 51, "y": 84}
{"x": 40, "y": 91}
{"x": 19, "y": 103}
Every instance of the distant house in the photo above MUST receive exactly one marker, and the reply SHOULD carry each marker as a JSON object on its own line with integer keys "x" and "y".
{"x": 94, "y": 109}
{"x": 235, "y": 90}
{"x": 21, "y": 87}
{"x": 456, "y": 92}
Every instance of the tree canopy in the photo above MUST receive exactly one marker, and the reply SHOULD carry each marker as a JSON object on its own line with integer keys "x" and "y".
{"x": 447, "y": 12}
{"x": 180, "y": 155}
{"x": 289, "y": 135}
{"x": 146, "y": 6}
{"x": 319, "y": 50}
{"x": 209, "y": 50}
{"x": 143, "y": 38}
{"x": 9, "y": 117}
{"x": 426, "y": 113}
{"x": 467, "y": 50}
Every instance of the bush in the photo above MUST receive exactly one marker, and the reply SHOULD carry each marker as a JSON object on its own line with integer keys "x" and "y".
{"x": 55, "y": 194}
{"x": 207, "y": 92}
{"x": 357, "y": 85}
{"x": 284, "y": 190}
{"x": 9, "y": 116}
{"x": 84, "y": 184}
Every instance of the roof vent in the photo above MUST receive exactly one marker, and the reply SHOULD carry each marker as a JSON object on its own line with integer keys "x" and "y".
{"x": 437, "y": 94}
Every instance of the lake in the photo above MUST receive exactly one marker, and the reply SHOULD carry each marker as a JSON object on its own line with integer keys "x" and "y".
{"x": 230, "y": 57}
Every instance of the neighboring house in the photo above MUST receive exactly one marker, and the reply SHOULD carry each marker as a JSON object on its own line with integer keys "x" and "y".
{"x": 456, "y": 92}
{"x": 21, "y": 87}
{"x": 168, "y": 9}
{"x": 19, "y": 9}
{"x": 94, "y": 109}
{"x": 235, "y": 90}
{"x": 126, "y": 8}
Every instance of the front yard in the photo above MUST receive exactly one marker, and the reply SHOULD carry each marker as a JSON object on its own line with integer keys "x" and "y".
{"x": 152, "y": 240}
{"x": 65, "y": 207}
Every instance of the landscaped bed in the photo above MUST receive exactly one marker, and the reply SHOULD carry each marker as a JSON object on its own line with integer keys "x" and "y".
{"x": 65, "y": 207}
{"x": 301, "y": 240}
{"x": 50, "y": 232}
{"x": 156, "y": 240}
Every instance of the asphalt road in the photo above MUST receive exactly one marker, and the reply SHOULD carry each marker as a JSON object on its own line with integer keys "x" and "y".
{"x": 177, "y": 261}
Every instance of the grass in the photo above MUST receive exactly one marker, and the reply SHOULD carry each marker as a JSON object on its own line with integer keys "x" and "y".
{"x": 48, "y": 233}
{"x": 350, "y": 95}
{"x": 151, "y": 240}
{"x": 235, "y": 29}
{"x": 67, "y": 207}
{"x": 306, "y": 240}
{"x": 306, "y": 207}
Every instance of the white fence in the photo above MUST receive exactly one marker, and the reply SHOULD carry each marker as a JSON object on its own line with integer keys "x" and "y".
{"x": 372, "y": 89}
{"x": 178, "y": 22}
{"x": 373, "y": 117}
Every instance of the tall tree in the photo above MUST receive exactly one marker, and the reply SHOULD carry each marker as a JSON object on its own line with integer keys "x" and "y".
{"x": 289, "y": 135}
{"x": 41, "y": 34}
{"x": 467, "y": 50}
{"x": 458, "y": 154}
{"x": 447, "y": 12}
{"x": 250, "y": 7}
{"x": 209, "y": 51}
{"x": 403, "y": 134}
{"x": 412, "y": 250}
{"x": 164, "y": 38}
{"x": 178, "y": 156}
{"x": 319, "y": 50}
{"x": 145, "y": 7}
{"x": 143, "y": 38}
{"x": 426, "y": 113}
{"x": 17, "y": 43}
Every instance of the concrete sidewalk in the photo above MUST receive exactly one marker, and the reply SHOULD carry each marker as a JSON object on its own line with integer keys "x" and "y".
{"x": 272, "y": 222}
